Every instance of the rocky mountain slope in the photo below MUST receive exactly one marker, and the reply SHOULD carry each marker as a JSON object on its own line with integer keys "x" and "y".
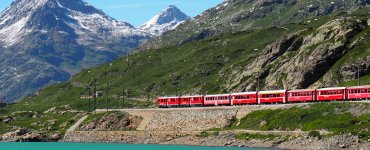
{"x": 47, "y": 41}
{"x": 167, "y": 20}
{"x": 241, "y": 15}
{"x": 322, "y": 57}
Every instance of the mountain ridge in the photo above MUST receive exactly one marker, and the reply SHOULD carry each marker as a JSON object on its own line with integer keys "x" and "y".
{"x": 165, "y": 21}
{"x": 243, "y": 15}
{"x": 58, "y": 38}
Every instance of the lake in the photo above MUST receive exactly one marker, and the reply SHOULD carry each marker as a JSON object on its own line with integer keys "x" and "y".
{"x": 103, "y": 146}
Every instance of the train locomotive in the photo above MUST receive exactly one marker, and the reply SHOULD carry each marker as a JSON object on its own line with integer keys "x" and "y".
{"x": 268, "y": 97}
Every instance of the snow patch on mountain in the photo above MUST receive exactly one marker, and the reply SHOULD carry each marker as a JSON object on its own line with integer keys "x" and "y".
{"x": 167, "y": 20}
{"x": 14, "y": 32}
{"x": 100, "y": 26}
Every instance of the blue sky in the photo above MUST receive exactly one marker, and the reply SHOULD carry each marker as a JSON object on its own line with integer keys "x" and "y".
{"x": 138, "y": 12}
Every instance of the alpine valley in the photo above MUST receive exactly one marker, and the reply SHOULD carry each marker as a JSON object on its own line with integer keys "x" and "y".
{"x": 46, "y": 41}
{"x": 236, "y": 46}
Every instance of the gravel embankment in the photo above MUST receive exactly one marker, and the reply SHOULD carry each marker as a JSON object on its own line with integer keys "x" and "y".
{"x": 190, "y": 120}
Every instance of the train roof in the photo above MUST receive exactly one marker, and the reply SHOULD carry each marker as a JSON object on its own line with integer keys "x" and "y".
{"x": 332, "y": 88}
{"x": 272, "y": 92}
{"x": 241, "y": 93}
{"x": 218, "y": 95}
{"x": 169, "y": 97}
{"x": 359, "y": 87}
{"x": 191, "y": 95}
{"x": 301, "y": 90}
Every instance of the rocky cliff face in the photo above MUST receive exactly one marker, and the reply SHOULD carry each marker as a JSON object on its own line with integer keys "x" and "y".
{"x": 118, "y": 121}
{"x": 309, "y": 58}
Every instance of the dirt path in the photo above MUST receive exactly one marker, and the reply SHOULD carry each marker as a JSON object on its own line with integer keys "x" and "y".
{"x": 77, "y": 124}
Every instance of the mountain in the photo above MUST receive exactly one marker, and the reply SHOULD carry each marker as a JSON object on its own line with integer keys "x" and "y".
{"x": 321, "y": 51}
{"x": 47, "y": 41}
{"x": 242, "y": 15}
{"x": 167, "y": 20}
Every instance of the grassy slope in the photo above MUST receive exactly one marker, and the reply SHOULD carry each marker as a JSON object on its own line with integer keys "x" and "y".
{"x": 335, "y": 117}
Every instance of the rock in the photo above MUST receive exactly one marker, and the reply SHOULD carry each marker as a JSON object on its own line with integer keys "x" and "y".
{"x": 169, "y": 138}
{"x": 8, "y": 119}
{"x": 64, "y": 124}
{"x": 112, "y": 122}
{"x": 55, "y": 137}
{"x": 52, "y": 122}
{"x": 35, "y": 124}
{"x": 277, "y": 142}
{"x": 51, "y": 110}
{"x": 21, "y": 131}
{"x": 342, "y": 145}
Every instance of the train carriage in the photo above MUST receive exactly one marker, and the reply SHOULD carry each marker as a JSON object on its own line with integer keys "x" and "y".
{"x": 215, "y": 100}
{"x": 162, "y": 102}
{"x": 301, "y": 96}
{"x": 244, "y": 98}
{"x": 195, "y": 100}
{"x": 184, "y": 101}
{"x": 331, "y": 94}
{"x": 268, "y": 97}
{"x": 358, "y": 93}
{"x": 173, "y": 101}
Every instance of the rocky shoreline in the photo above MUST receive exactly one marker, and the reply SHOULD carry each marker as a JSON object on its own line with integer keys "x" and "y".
{"x": 28, "y": 135}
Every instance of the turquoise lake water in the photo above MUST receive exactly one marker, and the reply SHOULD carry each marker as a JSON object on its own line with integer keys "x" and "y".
{"x": 87, "y": 146}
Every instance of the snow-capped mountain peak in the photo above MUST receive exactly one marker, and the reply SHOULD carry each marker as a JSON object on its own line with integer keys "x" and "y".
{"x": 87, "y": 22}
{"x": 167, "y": 20}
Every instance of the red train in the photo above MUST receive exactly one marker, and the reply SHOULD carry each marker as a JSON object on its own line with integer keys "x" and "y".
{"x": 268, "y": 97}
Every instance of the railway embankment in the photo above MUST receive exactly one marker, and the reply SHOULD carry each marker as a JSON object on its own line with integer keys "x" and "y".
{"x": 227, "y": 126}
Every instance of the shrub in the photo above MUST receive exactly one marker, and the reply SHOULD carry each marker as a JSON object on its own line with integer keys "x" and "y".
{"x": 314, "y": 134}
